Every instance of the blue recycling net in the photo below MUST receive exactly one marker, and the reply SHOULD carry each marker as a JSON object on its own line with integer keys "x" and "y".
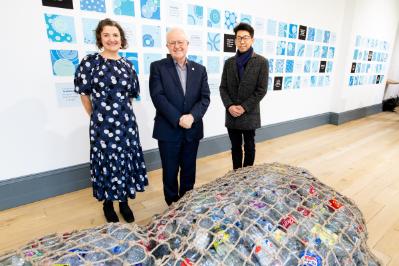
{"x": 270, "y": 214}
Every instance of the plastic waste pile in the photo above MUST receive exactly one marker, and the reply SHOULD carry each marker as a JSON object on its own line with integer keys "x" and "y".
{"x": 270, "y": 214}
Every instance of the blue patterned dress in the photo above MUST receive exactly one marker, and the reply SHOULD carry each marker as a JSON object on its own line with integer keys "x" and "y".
{"x": 116, "y": 158}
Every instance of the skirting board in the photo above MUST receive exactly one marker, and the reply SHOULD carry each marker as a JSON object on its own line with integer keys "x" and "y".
{"x": 31, "y": 188}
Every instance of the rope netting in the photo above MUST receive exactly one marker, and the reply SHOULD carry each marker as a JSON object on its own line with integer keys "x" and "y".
{"x": 270, "y": 214}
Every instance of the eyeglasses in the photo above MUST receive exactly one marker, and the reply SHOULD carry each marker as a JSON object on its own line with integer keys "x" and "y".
{"x": 177, "y": 43}
{"x": 244, "y": 38}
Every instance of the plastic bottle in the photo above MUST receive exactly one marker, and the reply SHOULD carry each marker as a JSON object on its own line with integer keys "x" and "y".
{"x": 14, "y": 260}
{"x": 265, "y": 251}
{"x": 135, "y": 255}
{"x": 231, "y": 210}
{"x": 310, "y": 258}
{"x": 266, "y": 224}
{"x": 202, "y": 239}
{"x": 174, "y": 242}
{"x": 233, "y": 259}
{"x": 161, "y": 251}
{"x": 192, "y": 255}
{"x": 96, "y": 256}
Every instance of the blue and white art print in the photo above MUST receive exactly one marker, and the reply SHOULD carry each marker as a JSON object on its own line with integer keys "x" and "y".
{"x": 300, "y": 49}
{"x": 246, "y": 19}
{"x": 296, "y": 82}
{"x": 316, "y": 51}
{"x": 196, "y": 59}
{"x": 287, "y": 82}
{"x": 151, "y": 36}
{"x": 271, "y": 64}
{"x": 214, "y": 42}
{"x": 282, "y": 29}
{"x": 315, "y": 66}
{"x": 326, "y": 37}
{"x": 355, "y": 54}
{"x": 293, "y": 31}
{"x": 291, "y": 49}
{"x": 313, "y": 81}
{"x": 93, "y": 5}
{"x": 230, "y": 20}
{"x": 213, "y": 65}
{"x": 329, "y": 66}
{"x": 64, "y": 62}
{"x": 324, "y": 51}
{"x": 258, "y": 46}
{"x": 150, "y": 9}
{"x": 280, "y": 65}
{"x": 289, "y": 66}
{"x": 214, "y": 18}
{"x": 148, "y": 58}
{"x": 133, "y": 58}
{"x": 271, "y": 28}
{"x": 195, "y": 15}
{"x": 60, "y": 28}
{"x": 124, "y": 7}
{"x": 307, "y": 66}
{"x": 270, "y": 83}
{"x": 331, "y": 53}
{"x": 319, "y": 35}
{"x": 311, "y": 34}
{"x": 281, "y": 46}
{"x": 89, "y": 30}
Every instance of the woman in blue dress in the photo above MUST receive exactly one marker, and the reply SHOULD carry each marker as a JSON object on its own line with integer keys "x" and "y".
{"x": 107, "y": 83}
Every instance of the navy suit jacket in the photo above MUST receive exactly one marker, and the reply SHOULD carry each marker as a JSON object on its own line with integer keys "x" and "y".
{"x": 171, "y": 103}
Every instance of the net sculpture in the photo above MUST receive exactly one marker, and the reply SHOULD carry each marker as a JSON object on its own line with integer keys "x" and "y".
{"x": 269, "y": 214}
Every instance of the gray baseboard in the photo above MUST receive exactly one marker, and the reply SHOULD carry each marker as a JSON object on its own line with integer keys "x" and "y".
{"x": 340, "y": 118}
{"x": 31, "y": 188}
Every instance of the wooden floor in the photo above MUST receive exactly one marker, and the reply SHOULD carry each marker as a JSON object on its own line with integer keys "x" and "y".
{"x": 360, "y": 159}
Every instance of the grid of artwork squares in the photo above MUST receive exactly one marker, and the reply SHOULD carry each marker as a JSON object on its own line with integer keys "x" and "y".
{"x": 369, "y": 61}
{"x": 299, "y": 56}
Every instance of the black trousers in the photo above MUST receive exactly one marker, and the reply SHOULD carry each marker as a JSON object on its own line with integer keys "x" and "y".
{"x": 236, "y": 136}
{"x": 180, "y": 155}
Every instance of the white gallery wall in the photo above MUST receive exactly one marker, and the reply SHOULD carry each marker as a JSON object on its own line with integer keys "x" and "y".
{"x": 41, "y": 132}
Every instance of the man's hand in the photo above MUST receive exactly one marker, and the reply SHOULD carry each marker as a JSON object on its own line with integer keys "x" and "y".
{"x": 236, "y": 110}
{"x": 186, "y": 121}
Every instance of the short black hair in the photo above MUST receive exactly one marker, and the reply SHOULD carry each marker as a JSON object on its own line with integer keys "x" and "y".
{"x": 244, "y": 26}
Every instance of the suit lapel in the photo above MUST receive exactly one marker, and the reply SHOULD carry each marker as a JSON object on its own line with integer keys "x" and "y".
{"x": 190, "y": 71}
{"x": 173, "y": 72}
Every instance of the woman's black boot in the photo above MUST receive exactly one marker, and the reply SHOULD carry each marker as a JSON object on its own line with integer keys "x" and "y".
{"x": 109, "y": 212}
{"x": 126, "y": 212}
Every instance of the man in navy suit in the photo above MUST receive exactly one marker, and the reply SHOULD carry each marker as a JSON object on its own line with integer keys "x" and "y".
{"x": 180, "y": 93}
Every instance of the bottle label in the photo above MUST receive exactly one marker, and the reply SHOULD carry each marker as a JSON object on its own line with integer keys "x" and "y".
{"x": 310, "y": 259}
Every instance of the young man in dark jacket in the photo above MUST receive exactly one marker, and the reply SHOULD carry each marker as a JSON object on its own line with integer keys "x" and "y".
{"x": 243, "y": 86}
